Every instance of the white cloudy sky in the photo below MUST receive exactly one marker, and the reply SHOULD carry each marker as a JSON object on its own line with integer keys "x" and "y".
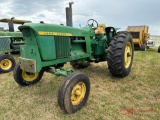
{"x": 117, "y": 13}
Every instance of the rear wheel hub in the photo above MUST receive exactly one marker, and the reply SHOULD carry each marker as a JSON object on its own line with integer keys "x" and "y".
{"x": 127, "y": 55}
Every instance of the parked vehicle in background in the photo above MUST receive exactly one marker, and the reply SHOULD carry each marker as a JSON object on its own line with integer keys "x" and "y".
{"x": 140, "y": 36}
{"x": 10, "y": 42}
{"x": 16, "y": 38}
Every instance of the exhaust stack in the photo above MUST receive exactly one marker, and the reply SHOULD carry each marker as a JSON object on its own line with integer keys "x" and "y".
{"x": 69, "y": 15}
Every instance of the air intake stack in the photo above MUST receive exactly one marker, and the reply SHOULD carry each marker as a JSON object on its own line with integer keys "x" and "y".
{"x": 69, "y": 15}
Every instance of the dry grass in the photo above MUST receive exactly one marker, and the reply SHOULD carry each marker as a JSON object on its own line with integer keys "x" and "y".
{"x": 136, "y": 96}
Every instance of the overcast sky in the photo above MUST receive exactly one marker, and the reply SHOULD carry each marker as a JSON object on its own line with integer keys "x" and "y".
{"x": 116, "y": 13}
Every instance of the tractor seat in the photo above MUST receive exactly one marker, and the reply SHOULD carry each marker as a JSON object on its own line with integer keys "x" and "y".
{"x": 100, "y": 29}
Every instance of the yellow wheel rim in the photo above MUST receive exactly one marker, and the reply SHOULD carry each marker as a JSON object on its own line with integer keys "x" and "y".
{"x": 6, "y": 64}
{"x": 127, "y": 55}
{"x": 78, "y": 93}
{"x": 29, "y": 76}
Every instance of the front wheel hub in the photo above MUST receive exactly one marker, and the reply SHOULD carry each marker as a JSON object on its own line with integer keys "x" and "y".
{"x": 29, "y": 76}
{"x": 78, "y": 93}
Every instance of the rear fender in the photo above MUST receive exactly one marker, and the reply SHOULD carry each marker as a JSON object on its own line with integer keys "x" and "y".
{"x": 110, "y": 33}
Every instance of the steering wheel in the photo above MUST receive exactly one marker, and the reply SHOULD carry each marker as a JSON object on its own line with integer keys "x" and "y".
{"x": 92, "y": 23}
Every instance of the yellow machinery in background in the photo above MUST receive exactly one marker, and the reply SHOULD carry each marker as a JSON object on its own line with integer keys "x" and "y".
{"x": 140, "y": 36}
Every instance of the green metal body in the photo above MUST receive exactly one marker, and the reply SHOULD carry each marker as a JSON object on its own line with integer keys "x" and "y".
{"x": 47, "y": 45}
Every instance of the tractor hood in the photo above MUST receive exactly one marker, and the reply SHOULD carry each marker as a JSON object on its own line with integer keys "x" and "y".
{"x": 59, "y": 30}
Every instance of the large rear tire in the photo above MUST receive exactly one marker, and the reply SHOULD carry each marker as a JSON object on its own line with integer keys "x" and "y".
{"x": 7, "y": 63}
{"x": 73, "y": 92}
{"x": 120, "y": 54}
{"x": 25, "y": 78}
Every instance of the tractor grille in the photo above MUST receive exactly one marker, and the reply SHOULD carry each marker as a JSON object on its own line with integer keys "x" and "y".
{"x": 135, "y": 34}
{"x": 5, "y": 43}
{"x": 62, "y": 46}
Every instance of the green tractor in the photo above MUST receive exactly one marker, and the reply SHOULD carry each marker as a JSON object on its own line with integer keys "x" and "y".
{"x": 16, "y": 38}
{"x": 10, "y": 42}
{"x": 48, "y": 47}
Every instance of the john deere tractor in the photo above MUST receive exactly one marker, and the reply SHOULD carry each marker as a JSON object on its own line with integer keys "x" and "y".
{"x": 48, "y": 47}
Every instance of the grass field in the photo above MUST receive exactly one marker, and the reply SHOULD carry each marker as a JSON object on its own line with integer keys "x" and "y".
{"x": 135, "y": 97}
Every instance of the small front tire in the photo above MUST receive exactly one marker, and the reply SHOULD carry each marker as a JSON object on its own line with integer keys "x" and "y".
{"x": 25, "y": 78}
{"x": 73, "y": 92}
